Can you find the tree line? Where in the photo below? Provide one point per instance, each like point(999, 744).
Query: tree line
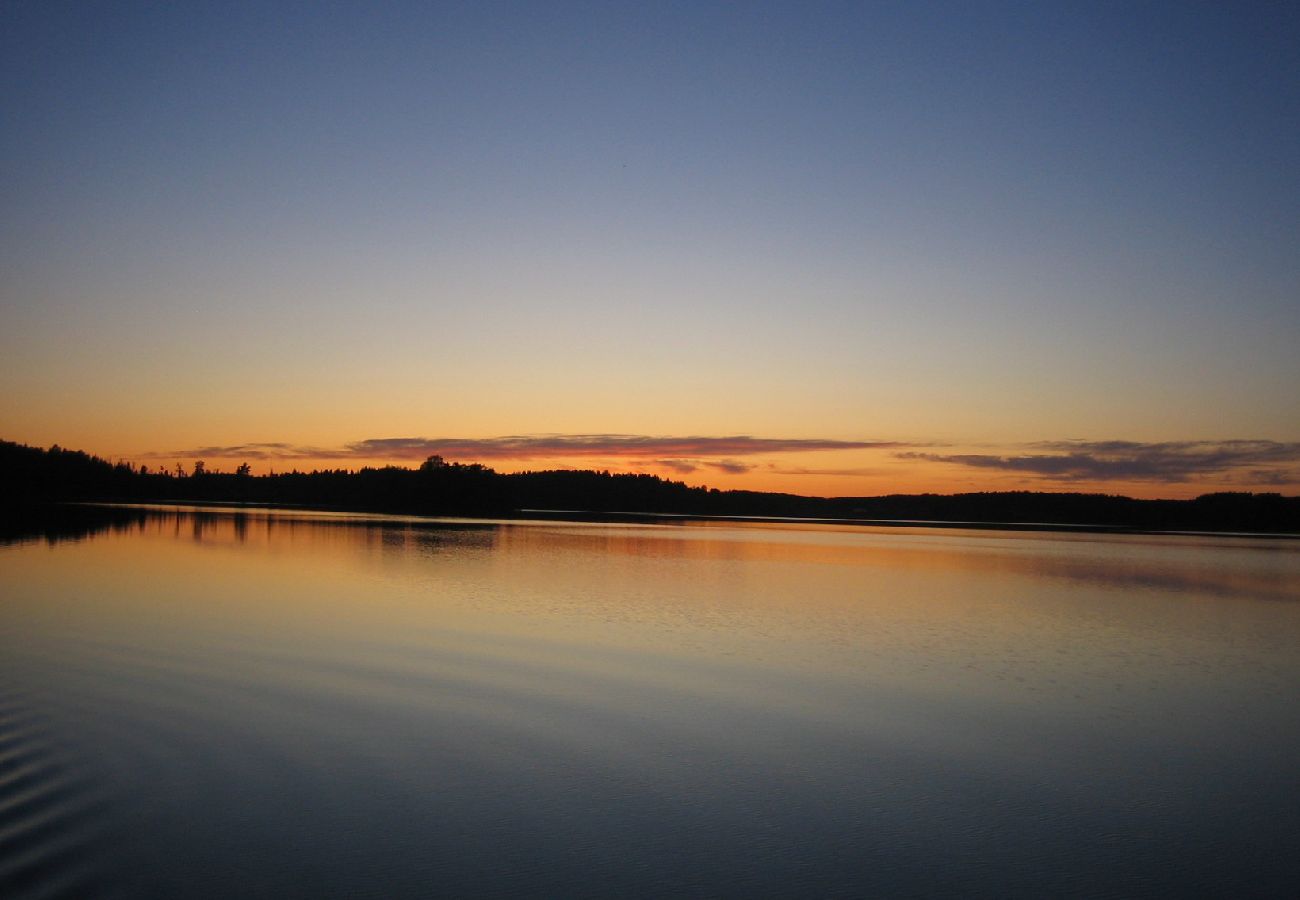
point(32, 477)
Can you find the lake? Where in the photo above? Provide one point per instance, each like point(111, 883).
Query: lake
point(200, 703)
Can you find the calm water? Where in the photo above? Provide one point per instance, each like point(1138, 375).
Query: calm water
point(288, 704)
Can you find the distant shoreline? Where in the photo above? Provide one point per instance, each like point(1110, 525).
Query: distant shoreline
point(578, 516)
point(926, 523)
point(31, 476)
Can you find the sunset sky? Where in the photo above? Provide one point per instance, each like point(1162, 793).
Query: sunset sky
point(826, 248)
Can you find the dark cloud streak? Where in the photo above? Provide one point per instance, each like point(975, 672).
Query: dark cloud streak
point(731, 466)
point(1171, 461)
point(680, 466)
point(675, 452)
point(260, 450)
point(620, 445)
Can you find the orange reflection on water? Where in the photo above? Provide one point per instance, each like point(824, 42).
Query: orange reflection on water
point(897, 602)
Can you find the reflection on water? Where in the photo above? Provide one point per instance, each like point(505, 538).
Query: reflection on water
point(216, 703)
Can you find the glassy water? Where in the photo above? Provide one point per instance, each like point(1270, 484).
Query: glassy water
point(218, 704)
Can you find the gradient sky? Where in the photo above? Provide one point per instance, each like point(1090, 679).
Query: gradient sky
point(818, 247)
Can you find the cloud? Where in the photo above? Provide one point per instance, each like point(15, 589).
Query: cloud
point(731, 466)
point(264, 450)
point(673, 452)
point(621, 445)
point(687, 466)
point(1171, 461)
point(1274, 477)
point(783, 470)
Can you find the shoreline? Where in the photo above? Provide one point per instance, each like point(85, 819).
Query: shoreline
point(578, 516)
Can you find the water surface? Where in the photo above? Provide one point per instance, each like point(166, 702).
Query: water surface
point(201, 703)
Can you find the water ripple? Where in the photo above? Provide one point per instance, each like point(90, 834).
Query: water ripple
point(51, 812)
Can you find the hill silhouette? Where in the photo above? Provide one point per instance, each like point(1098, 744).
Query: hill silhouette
point(32, 478)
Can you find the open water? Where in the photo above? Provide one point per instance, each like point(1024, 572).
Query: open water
point(284, 704)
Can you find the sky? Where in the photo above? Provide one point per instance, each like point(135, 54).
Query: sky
point(825, 248)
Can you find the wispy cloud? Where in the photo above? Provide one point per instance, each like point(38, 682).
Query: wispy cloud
point(680, 466)
point(800, 470)
point(535, 446)
point(1171, 461)
point(676, 452)
point(257, 450)
point(731, 466)
point(687, 466)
